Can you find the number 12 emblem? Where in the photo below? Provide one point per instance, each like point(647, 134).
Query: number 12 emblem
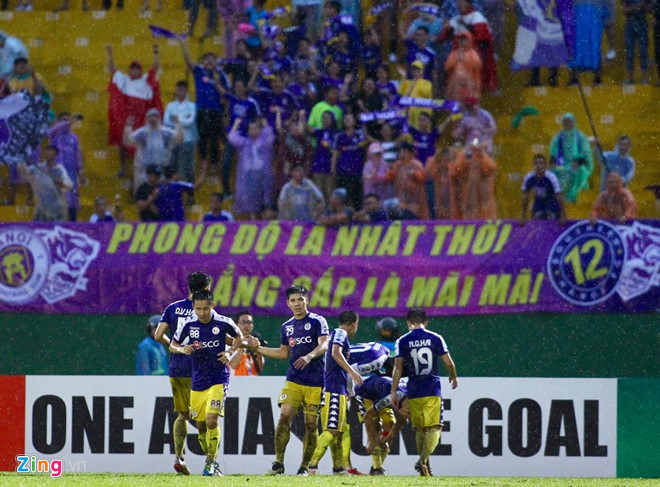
point(585, 263)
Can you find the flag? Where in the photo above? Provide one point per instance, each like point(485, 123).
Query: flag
point(130, 98)
point(23, 125)
point(162, 32)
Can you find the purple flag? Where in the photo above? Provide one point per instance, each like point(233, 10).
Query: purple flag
point(162, 32)
point(545, 34)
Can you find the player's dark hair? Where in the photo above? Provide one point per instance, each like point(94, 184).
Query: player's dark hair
point(52, 147)
point(424, 28)
point(372, 195)
point(182, 83)
point(348, 317)
point(417, 316)
point(198, 280)
point(538, 156)
point(202, 295)
point(334, 4)
point(209, 54)
point(296, 289)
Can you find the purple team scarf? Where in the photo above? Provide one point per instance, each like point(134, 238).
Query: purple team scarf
point(424, 8)
point(379, 9)
point(386, 115)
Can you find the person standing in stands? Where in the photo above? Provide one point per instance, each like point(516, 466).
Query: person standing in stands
point(151, 356)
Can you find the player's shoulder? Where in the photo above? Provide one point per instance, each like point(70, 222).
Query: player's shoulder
point(289, 322)
point(528, 176)
point(181, 303)
point(317, 317)
point(434, 334)
point(339, 334)
point(222, 318)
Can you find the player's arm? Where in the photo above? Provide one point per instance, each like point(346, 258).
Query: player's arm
point(234, 343)
point(159, 334)
point(338, 356)
point(176, 348)
point(451, 370)
point(397, 372)
point(320, 349)
point(387, 437)
point(281, 353)
point(525, 205)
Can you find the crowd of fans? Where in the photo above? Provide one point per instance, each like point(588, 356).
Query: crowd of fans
point(313, 124)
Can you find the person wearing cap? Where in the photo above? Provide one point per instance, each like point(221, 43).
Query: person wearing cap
point(476, 123)
point(11, 48)
point(151, 356)
point(374, 173)
point(132, 94)
point(146, 194)
point(154, 144)
point(417, 87)
point(409, 178)
point(338, 213)
point(473, 174)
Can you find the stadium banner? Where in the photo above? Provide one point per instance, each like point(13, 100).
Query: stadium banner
point(541, 38)
point(449, 268)
point(492, 427)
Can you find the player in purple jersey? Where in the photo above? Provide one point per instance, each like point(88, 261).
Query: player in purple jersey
point(204, 336)
point(367, 358)
point(180, 369)
point(335, 386)
point(303, 340)
point(381, 421)
point(416, 356)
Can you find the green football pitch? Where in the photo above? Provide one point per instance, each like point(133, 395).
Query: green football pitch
point(149, 480)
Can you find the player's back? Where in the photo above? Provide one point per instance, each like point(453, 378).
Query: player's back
point(420, 350)
point(175, 315)
point(370, 356)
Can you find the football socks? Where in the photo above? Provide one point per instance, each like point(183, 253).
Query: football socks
point(282, 434)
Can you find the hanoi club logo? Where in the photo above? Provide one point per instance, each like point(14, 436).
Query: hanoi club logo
point(24, 263)
point(48, 262)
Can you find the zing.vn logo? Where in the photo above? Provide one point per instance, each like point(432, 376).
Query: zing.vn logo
point(32, 465)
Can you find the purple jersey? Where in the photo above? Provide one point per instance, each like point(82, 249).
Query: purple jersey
point(175, 316)
point(351, 153)
point(420, 350)
point(336, 378)
point(426, 55)
point(369, 357)
point(246, 109)
point(321, 164)
point(377, 389)
point(208, 340)
point(269, 99)
point(424, 143)
point(302, 336)
point(371, 58)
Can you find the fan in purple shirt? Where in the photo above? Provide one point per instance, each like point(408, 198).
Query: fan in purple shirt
point(348, 160)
